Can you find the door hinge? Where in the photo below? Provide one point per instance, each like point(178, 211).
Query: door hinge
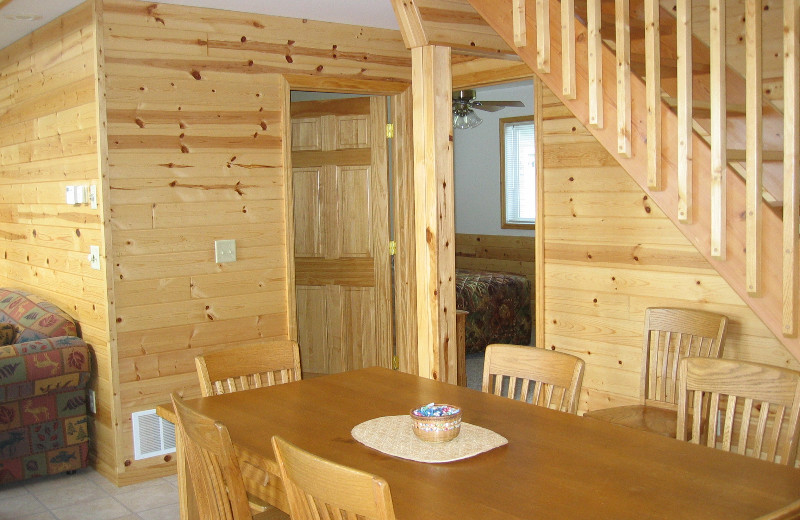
point(392, 247)
point(389, 130)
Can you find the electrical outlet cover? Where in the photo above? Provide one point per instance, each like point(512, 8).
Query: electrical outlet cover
point(224, 251)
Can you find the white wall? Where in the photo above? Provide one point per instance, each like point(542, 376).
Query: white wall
point(477, 163)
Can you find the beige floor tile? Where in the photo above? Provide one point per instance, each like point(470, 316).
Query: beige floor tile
point(170, 512)
point(47, 515)
point(143, 499)
point(18, 506)
point(12, 490)
point(74, 492)
point(105, 508)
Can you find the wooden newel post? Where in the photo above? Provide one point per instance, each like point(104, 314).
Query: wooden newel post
point(434, 212)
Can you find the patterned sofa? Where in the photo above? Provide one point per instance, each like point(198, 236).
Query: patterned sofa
point(499, 306)
point(44, 370)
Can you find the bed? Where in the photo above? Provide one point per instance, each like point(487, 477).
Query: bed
point(499, 306)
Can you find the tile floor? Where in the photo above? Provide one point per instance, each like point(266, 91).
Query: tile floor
point(87, 495)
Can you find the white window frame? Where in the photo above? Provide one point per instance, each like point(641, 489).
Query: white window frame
point(510, 183)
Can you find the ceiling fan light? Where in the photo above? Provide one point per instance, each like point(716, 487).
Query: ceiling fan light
point(464, 121)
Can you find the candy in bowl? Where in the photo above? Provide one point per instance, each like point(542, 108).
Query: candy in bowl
point(436, 422)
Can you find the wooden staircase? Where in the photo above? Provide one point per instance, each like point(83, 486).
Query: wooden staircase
point(718, 158)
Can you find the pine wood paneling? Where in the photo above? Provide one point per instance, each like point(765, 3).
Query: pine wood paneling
point(48, 140)
point(609, 253)
point(195, 106)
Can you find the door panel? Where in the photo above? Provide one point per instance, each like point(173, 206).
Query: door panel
point(306, 134)
point(311, 302)
point(353, 132)
point(341, 234)
point(355, 238)
point(308, 237)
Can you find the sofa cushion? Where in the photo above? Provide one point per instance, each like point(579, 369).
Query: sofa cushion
point(33, 317)
point(7, 334)
point(43, 366)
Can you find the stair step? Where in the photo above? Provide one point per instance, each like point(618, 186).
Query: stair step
point(767, 155)
point(702, 109)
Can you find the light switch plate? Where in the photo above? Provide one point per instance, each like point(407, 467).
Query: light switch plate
point(70, 195)
point(93, 196)
point(225, 251)
point(94, 257)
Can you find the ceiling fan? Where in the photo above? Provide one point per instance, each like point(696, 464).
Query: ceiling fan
point(464, 105)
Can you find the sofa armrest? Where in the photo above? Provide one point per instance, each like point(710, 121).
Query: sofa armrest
point(43, 366)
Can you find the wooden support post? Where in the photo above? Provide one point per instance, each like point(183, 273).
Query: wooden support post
point(623, 26)
point(595, 51)
point(538, 256)
point(410, 21)
point(791, 164)
point(652, 42)
point(434, 212)
point(520, 32)
point(568, 48)
point(684, 34)
point(719, 129)
point(543, 35)
point(403, 212)
point(754, 146)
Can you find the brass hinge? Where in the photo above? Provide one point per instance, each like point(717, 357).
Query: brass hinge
point(389, 130)
point(392, 247)
point(395, 362)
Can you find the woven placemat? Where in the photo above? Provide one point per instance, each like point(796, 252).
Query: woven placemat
point(392, 435)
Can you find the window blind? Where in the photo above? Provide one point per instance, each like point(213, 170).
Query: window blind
point(520, 173)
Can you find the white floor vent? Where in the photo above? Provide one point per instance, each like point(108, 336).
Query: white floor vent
point(152, 435)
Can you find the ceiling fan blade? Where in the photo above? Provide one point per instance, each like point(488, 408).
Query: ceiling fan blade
point(490, 108)
point(494, 106)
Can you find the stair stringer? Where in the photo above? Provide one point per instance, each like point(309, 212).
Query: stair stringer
point(768, 305)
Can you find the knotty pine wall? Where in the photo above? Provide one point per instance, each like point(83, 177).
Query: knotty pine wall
point(48, 140)
point(609, 253)
point(196, 105)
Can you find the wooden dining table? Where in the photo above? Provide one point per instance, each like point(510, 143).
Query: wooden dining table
point(555, 465)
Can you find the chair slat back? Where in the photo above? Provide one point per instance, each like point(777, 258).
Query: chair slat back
point(212, 464)
point(254, 365)
point(747, 408)
point(534, 375)
point(669, 335)
point(319, 489)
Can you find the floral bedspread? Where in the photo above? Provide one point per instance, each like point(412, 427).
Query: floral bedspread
point(499, 306)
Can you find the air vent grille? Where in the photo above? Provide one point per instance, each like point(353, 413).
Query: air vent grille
point(152, 435)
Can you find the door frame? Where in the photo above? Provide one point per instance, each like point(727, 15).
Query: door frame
point(401, 205)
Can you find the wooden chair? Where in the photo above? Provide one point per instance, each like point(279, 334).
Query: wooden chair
point(319, 489)
point(748, 408)
point(213, 468)
point(258, 364)
point(509, 370)
point(264, 363)
point(669, 335)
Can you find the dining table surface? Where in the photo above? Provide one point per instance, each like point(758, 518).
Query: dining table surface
point(555, 465)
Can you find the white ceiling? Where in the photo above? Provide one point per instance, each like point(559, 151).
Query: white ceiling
point(369, 13)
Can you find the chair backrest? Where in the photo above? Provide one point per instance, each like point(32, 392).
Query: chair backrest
point(319, 489)
point(535, 375)
point(254, 365)
point(212, 464)
point(669, 335)
point(748, 408)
